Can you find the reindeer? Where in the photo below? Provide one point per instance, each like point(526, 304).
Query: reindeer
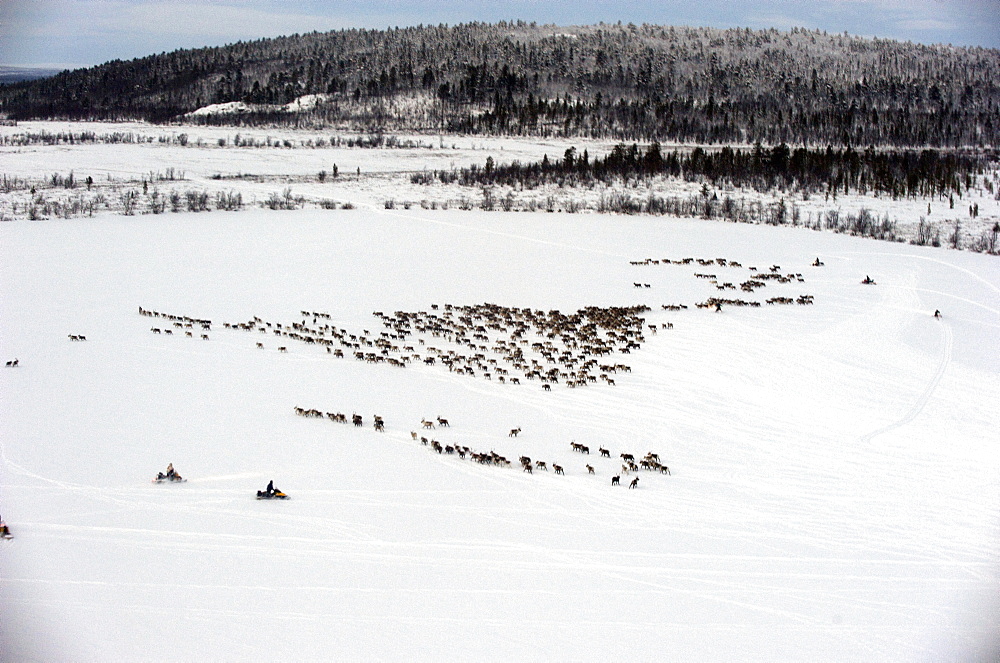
point(605, 453)
point(12, 363)
point(558, 469)
point(614, 480)
point(635, 482)
point(443, 422)
point(427, 424)
point(514, 432)
point(540, 464)
point(590, 469)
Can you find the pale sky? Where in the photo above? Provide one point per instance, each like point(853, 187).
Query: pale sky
point(78, 33)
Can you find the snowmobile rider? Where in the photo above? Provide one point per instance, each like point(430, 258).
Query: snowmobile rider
point(170, 471)
point(270, 487)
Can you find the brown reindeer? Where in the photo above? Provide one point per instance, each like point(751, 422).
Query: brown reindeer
point(614, 480)
point(514, 432)
point(635, 482)
point(558, 469)
point(590, 469)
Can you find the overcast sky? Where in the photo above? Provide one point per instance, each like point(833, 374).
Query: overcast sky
point(77, 33)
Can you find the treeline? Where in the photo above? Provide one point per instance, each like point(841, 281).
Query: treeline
point(628, 82)
point(896, 173)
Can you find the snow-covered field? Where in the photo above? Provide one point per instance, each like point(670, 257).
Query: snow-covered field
point(149, 163)
point(834, 492)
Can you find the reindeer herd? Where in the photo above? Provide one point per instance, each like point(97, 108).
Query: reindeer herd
point(512, 346)
point(758, 280)
point(500, 344)
point(650, 462)
point(180, 323)
point(495, 343)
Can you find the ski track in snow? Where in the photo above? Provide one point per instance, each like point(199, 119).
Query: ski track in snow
point(918, 405)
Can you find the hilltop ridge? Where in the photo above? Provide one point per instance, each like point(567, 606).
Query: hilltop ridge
point(625, 82)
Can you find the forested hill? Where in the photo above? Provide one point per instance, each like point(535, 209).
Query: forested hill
point(616, 81)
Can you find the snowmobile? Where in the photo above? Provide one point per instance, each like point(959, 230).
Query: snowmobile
point(168, 478)
point(868, 281)
point(274, 495)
